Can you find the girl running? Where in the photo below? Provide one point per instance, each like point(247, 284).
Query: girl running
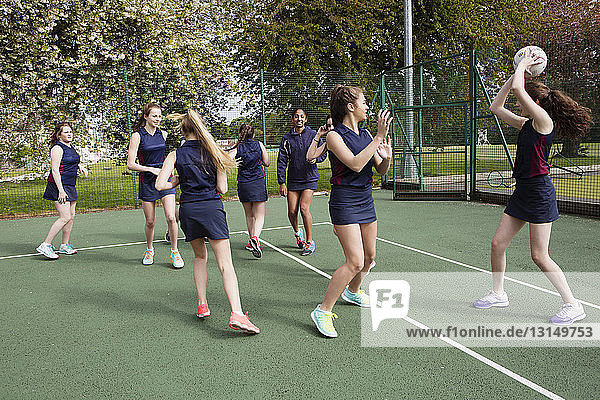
point(544, 112)
point(148, 143)
point(352, 152)
point(252, 188)
point(202, 173)
point(302, 178)
point(64, 163)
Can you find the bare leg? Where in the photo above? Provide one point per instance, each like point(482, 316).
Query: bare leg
point(293, 200)
point(506, 231)
point(169, 207)
point(351, 241)
point(540, 239)
point(66, 230)
point(305, 199)
point(200, 277)
point(64, 216)
point(249, 217)
point(369, 240)
point(149, 208)
point(258, 211)
point(222, 252)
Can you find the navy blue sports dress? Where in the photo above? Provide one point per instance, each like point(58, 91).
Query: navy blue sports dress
point(68, 175)
point(534, 198)
point(201, 210)
point(351, 200)
point(251, 174)
point(151, 153)
point(301, 174)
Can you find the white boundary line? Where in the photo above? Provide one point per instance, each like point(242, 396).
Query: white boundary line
point(587, 303)
point(155, 241)
point(464, 349)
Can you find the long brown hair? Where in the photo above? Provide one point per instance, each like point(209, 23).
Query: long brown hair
point(57, 131)
point(141, 121)
point(572, 120)
point(341, 96)
point(192, 124)
point(246, 131)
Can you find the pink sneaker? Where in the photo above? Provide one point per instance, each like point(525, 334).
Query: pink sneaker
point(242, 323)
point(203, 311)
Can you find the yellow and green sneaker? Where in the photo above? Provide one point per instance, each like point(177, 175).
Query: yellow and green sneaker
point(359, 298)
point(324, 321)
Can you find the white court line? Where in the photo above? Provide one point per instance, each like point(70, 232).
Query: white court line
point(587, 303)
point(464, 349)
point(155, 241)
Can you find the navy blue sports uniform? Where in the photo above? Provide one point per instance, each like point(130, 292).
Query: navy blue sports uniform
point(301, 174)
point(151, 153)
point(251, 174)
point(351, 200)
point(534, 198)
point(201, 210)
point(69, 164)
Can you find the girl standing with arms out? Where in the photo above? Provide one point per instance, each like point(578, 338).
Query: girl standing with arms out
point(148, 143)
point(64, 163)
point(202, 173)
point(352, 152)
point(252, 187)
point(544, 112)
point(302, 178)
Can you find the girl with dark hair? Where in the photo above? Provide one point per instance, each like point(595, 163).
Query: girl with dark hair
point(252, 157)
point(202, 173)
point(297, 178)
point(148, 143)
point(64, 163)
point(544, 112)
point(353, 153)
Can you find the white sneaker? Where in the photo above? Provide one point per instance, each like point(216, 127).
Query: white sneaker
point(67, 249)
point(148, 257)
point(47, 250)
point(176, 259)
point(568, 314)
point(492, 299)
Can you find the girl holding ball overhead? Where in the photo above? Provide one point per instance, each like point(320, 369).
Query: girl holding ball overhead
point(202, 174)
point(544, 113)
point(353, 153)
point(148, 143)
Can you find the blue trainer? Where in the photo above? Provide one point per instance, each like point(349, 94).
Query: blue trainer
point(309, 248)
point(324, 321)
point(359, 298)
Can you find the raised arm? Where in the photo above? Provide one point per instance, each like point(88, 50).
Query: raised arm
point(315, 150)
point(162, 181)
point(358, 162)
point(55, 159)
point(134, 144)
point(497, 107)
point(541, 120)
point(383, 155)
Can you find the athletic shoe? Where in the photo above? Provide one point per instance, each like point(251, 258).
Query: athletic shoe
point(300, 239)
point(248, 246)
point(67, 249)
point(324, 321)
point(309, 248)
point(255, 244)
point(492, 299)
point(148, 257)
point(568, 314)
point(359, 298)
point(371, 266)
point(176, 259)
point(167, 236)
point(203, 311)
point(47, 250)
point(242, 323)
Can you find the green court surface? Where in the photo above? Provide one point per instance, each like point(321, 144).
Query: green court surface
point(99, 324)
